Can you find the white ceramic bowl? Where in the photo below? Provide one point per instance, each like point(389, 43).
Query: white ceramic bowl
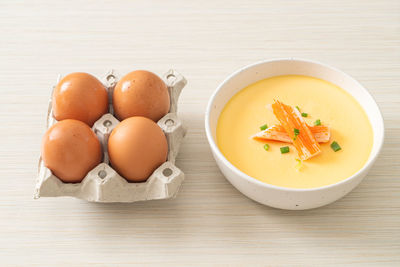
point(281, 197)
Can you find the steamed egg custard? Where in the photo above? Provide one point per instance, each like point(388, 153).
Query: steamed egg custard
point(295, 131)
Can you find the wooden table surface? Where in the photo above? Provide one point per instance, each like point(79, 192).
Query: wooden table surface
point(209, 222)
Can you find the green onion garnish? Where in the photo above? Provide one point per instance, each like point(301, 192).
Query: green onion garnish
point(317, 122)
point(298, 108)
point(284, 149)
point(266, 147)
point(262, 128)
point(298, 165)
point(335, 146)
point(296, 133)
point(304, 114)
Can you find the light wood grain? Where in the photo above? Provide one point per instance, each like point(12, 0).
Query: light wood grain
point(209, 222)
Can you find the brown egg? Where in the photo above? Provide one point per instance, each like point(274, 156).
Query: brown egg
point(80, 96)
point(141, 93)
point(70, 149)
point(137, 146)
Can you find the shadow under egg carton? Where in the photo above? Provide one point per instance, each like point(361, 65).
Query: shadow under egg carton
point(103, 183)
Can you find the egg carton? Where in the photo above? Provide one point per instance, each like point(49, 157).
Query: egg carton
point(103, 183)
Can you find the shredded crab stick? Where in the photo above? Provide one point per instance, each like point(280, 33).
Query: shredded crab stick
point(292, 121)
point(278, 133)
point(321, 133)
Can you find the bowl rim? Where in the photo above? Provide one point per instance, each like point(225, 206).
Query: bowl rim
point(253, 180)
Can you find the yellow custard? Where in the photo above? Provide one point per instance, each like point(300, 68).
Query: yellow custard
point(247, 111)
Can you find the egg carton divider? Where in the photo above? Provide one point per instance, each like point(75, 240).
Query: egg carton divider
point(103, 183)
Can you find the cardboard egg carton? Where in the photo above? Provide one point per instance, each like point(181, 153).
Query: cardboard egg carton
point(103, 183)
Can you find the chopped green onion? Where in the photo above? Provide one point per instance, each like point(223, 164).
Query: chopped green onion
point(298, 108)
point(304, 114)
point(317, 122)
point(284, 149)
point(262, 128)
point(296, 133)
point(266, 147)
point(335, 146)
point(298, 165)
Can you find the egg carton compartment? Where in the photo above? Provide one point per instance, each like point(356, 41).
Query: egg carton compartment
point(103, 183)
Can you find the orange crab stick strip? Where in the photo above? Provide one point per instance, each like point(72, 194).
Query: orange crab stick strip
point(297, 129)
point(274, 133)
point(277, 133)
point(321, 133)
